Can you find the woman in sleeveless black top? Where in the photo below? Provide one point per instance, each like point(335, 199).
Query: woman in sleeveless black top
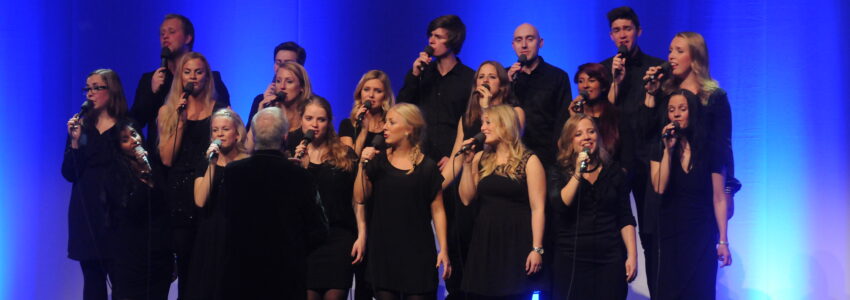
point(688, 175)
point(184, 132)
point(505, 253)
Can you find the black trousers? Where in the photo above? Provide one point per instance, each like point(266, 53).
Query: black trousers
point(183, 239)
point(95, 273)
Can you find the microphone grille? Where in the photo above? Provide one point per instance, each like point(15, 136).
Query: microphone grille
point(367, 104)
point(310, 135)
point(429, 50)
point(217, 142)
point(523, 59)
point(166, 52)
point(378, 141)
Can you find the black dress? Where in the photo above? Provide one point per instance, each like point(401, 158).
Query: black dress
point(688, 231)
point(596, 246)
point(347, 129)
point(329, 266)
point(401, 252)
point(502, 238)
point(208, 254)
point(139, 237)
point(181, 192)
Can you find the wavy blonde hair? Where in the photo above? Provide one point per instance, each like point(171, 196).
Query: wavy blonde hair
point(231, 115)
point(167, 121)
point(698, 50)
point(413, 117)
point(337, 153)
point(504, 119)
point(386, 103)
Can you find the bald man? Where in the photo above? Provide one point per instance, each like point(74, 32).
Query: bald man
point(543, 91)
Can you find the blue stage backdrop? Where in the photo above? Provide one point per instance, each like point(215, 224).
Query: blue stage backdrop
point(783, 63)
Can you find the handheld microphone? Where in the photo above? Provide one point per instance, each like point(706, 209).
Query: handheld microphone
point(583, 165)
point(144, 158)
point(430, 51)
point(85, 107)
point(585, 98)
point(523, 60)
point(213, 154)
point(665, 69)
point(484, 85)
point(279, 97)
point(377, 143)
point(622, 51)
point(164, 55)
point(308, 138)
point(672, 132)
point(187, 90)
point(368, 106)
point(478, 139)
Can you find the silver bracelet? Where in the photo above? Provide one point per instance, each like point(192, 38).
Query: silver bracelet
point(723, 243)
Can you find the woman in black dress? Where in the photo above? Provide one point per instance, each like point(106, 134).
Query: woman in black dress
point(184, 134)
point(292, 80)
point(592, 222)
point(208, 254)
point(594, 81)
point(506, 251)
point(688, 175)
point(375, 88)
point(89, 156)
point(403, 187)
point(139, 236)
point(333, 166)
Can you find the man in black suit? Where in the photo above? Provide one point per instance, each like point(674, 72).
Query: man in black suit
point(275, 218)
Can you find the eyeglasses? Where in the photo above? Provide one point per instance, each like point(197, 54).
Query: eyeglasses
point(94, 88)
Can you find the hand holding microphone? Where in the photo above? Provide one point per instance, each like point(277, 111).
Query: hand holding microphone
point(367, 105)
point(213, 150)
point(619, 63)
point(142, 157)
point(308, 138)
point(422, 61)
point(378, 144)
point(472, 145)
point(583, 159)
point(278, 97)
point(654, 76)
point(187, 90)
point(670, 134)
point(513, 72)
point(158, 77)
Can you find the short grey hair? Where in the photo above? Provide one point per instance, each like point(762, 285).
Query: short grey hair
point(269, 126)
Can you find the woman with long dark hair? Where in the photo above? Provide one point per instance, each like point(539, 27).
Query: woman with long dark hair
point(139, 236)
point(594, 82)
point(687, 174)
point(89, 156)
point(593, 229)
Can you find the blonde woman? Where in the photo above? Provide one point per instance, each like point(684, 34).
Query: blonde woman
point(184, 133)
point(403, 187)
point(292, 80)
point(374, 88)
point(208, 253)
point(506, 250)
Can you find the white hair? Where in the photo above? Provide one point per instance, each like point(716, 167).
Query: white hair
point(269, 126)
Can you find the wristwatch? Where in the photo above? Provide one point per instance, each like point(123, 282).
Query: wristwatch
point(539, 250)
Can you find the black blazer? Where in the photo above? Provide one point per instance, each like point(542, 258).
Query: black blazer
point(275, 218)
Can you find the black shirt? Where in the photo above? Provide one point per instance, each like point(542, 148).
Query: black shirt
point(146, 106)
point(635, 147)
point(603, 210)
point(544, 95)
point(442, 100)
